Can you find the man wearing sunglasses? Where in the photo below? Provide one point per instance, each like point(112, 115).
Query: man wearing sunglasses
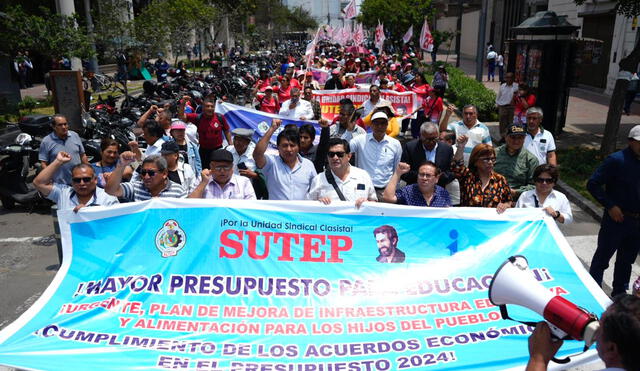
point(83, 192)
point(341, 181)
point(154, 180)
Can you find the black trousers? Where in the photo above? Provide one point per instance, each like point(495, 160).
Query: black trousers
point(623, 239)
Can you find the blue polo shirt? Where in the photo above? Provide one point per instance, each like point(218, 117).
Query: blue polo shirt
point(52, 144)
point(285, 183)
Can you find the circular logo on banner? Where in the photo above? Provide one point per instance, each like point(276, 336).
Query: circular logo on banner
point(170, 239)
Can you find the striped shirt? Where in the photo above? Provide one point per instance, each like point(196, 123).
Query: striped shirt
point(479, 133)
point(136, 191)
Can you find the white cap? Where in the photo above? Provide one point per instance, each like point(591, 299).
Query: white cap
point(379, 115)
point(634, 133)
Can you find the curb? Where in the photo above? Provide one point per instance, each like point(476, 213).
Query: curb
point(586, 205)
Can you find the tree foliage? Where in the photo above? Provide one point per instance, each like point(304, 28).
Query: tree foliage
point(397, 15)
point(627, 8)
point(47, 33)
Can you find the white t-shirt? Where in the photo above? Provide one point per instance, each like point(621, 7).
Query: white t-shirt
point(540, 144)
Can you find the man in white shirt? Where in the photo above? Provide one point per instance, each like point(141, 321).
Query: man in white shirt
point(377, 153)
point(354, 184)
point(374, 99)
point(152, 133)
point(242, 151)
point(538, 141)
point(296, 108)
point(504, 102)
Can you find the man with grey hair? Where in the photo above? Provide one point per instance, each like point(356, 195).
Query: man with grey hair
point(538, 141)
point(155, 180)
point(62, 140)
point(468, 127)
point(296, 108)
point(427, 148)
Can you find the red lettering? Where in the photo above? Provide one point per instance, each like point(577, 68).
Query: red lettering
point(253, 236)
point(310, 247)
point(235, 245)
point(286, 244)
point(336, 247)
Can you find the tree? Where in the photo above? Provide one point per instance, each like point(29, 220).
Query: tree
point(171, 23)
point(113, 31)
point(397, 16)
point(47, 33)
point(628, 65)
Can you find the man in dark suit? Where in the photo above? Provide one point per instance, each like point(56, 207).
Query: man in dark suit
point(387, 241)
point(427, 147)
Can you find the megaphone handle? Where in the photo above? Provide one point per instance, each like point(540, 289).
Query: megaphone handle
point(556, 333)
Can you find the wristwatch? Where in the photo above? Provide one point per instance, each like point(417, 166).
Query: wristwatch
point(557, 215)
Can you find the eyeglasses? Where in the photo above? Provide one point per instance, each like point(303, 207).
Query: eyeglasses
point(425, 175)
point(545, 180)
point(82, 180)
point(62, 124)
point(488, 159)
point(340, 154)
point(222, 168)
point(435, 139)
point(144, 172)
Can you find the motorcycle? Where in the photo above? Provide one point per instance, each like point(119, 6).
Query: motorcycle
point(17, 185)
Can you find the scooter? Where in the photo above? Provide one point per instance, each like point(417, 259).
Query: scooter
point(17, 185)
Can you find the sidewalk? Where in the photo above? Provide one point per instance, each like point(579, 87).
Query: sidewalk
point(586, 113)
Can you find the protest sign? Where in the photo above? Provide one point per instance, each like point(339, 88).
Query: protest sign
point(241, 285)
point(405, 103)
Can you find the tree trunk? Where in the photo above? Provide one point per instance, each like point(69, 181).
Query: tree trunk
point(628, 64)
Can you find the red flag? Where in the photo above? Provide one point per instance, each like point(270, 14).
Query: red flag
point(426, 40)
point(408, 35)
point(350, 10)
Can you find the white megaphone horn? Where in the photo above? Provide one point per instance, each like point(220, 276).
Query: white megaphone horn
point(514, 283)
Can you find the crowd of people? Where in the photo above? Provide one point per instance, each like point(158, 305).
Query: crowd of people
point(366, 154)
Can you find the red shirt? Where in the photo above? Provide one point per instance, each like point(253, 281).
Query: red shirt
point(261, 84)
point(270, 106)
point(433, 114)
point(209, 129)
point(531, 101)
point(283, 94)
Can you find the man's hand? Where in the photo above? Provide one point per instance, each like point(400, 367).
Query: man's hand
point(63, 157)
point(325, 200)
point(153, 108)
point(451, 108)
point(550, 211)
point(402, 168)
point(616, 214)
point(135, 147)
point(360, 201)
point(206, 176)
point(323, 123)
point(248, 173)
point(541, 347)
point(275, 124)
point(302, 118)
point(461, 141)
point(126, 158)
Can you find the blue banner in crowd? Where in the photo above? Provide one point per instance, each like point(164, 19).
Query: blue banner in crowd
point(239, 285)
point(243, 117)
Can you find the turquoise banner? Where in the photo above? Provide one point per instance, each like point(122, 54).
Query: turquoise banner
point(233, 285)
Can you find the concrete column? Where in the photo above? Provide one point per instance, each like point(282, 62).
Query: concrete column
point(66, 7)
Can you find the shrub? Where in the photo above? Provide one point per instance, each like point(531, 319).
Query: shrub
point(28, 103)
point(464, 90)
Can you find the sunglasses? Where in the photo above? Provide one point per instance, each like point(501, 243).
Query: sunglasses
point(144, 172)
point(545, 180)
point(82, 180)
point(339, 154)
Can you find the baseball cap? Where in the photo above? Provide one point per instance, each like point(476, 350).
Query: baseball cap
point(178, 125)
point(221, 155)
point(169, 148)
point(515, 129)
point(634, 133)
point(379, 115)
